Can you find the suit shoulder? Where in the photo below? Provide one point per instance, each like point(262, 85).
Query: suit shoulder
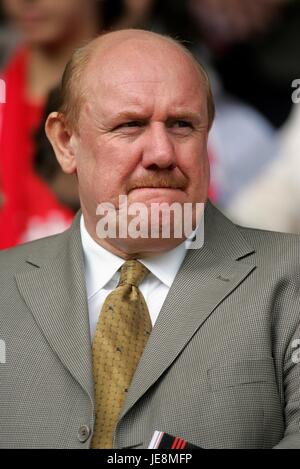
point(264, 241)
point(13, 259)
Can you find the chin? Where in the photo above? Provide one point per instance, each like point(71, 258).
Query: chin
point(43, 35)
point(150, 196)
point(145, 247)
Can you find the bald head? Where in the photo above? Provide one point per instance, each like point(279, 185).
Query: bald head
point(128, 50)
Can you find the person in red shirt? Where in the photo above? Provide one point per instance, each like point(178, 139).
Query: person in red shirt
point(51, 30)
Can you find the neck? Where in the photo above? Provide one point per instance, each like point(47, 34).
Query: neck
point(136, 249)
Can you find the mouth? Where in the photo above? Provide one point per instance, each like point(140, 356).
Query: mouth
point(156, 188)
point(33, 16)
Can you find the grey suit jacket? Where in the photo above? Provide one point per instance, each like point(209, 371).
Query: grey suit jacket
point(220, 368)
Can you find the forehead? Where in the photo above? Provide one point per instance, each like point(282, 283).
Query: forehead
point(141, 73)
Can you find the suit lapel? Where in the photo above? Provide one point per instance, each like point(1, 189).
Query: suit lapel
point(54, 291)
point(206, 278)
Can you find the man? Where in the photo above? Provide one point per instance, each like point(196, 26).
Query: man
point(200, 343)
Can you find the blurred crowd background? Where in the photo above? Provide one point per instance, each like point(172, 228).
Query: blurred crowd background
point(251, 50)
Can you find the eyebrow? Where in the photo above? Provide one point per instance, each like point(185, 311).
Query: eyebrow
point(129, 115)
point(184, 114)
point(179, 114)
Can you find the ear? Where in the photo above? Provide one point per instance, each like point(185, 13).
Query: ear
point(63, 141)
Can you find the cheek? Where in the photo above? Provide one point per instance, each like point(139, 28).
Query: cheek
point(64, 9)
point(111, 157)
point(101, 169)
point(195, 166)
point(85, 164)
point(193, 160)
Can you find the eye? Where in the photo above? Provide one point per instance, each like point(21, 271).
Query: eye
point(130, 125)
point(180, 127)
point(182, 124)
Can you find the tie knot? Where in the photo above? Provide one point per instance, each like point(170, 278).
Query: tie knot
point(132, 273)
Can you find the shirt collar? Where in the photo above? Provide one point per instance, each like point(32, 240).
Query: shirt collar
point(101, 265)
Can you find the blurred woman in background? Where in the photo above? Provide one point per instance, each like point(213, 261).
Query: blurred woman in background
point(50, 30)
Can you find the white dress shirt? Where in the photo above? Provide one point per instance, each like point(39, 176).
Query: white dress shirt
point(102, 276)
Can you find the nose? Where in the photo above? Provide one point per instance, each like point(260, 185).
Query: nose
point(159, 151)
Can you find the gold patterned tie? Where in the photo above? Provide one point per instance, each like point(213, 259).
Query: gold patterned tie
point(121, 334)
